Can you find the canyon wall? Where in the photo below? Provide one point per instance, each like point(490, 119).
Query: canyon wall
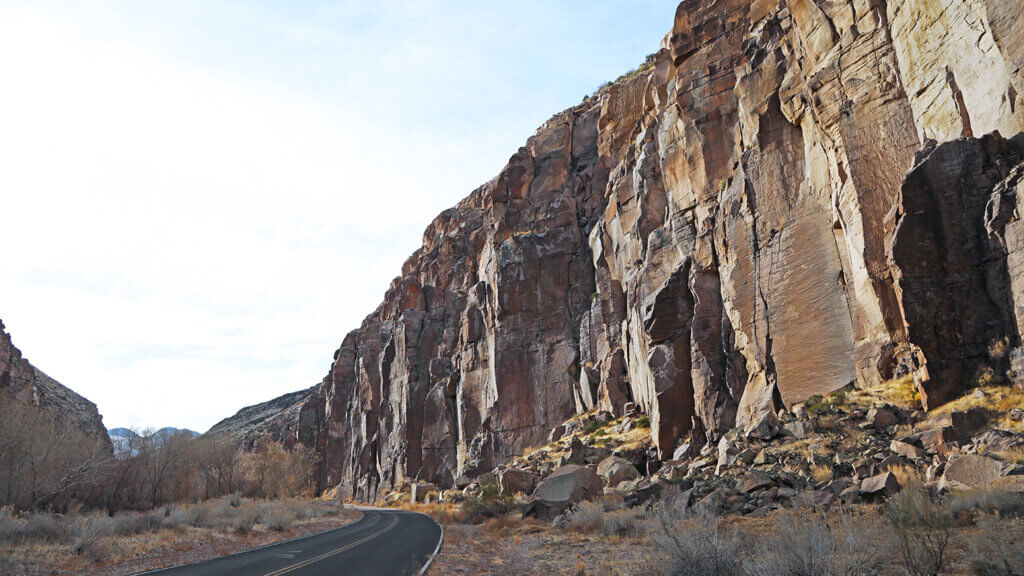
point(731, 230)
point(20, 381)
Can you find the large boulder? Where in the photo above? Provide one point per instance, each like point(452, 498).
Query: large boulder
point(884, 484)
point(419, 490)
point(563, 488)
point(971, 471)
point(515, 481)
point(615, 469)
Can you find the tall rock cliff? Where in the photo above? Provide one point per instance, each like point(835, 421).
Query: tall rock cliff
point(20, 381)
point(730, 230)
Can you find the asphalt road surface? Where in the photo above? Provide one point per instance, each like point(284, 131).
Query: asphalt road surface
point(381, 543)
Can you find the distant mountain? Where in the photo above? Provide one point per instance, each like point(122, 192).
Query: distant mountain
point(122, 438)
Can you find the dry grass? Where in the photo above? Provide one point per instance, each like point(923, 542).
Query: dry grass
point(135, 541)
point(898, 392)
point(998, 400)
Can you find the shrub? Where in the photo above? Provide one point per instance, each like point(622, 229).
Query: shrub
point(277, 518)
point(586, 517)
point(245, 518)
point(807, 545)
point(489, 502)
point(83, 533)
point(591, 517)
point(696, 546)
point(644, 421)
point(987, 500)
point(924, 530)
point(996, 548)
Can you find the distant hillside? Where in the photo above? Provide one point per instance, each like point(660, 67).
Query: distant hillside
point(275, 419)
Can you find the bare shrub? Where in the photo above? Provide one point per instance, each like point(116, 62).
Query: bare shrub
point(82, 533)
point(988, 501)
point(586, 517)
point(42, 527)
point(696, 546)
point(996, 548)
point(245, 517)
point(808, 545)
point(924, 528)
point(277, 518)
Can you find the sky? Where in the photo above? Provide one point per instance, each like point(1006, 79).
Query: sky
point(198, 200)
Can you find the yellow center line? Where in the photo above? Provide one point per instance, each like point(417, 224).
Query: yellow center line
point(294, 567)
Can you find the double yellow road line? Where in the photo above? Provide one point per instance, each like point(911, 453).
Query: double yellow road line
point(305, 563)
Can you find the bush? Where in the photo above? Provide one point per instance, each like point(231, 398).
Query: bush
point(489, 502)
point(245, 518)
point(924, 530)
point(696, 546)
point(807, 545)
point(987, 500)
point(277, 518)
point(593, 517)
point(996, 549)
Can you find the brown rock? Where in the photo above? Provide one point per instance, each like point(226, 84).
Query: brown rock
point(971, 471)
point(563, 488)
point(517, 481)
point(906, 449)
point(419, 490)
point(726, 233)
point(615, 470)
point(884, 484)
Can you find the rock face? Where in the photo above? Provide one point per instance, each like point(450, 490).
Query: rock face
point(277, 420)
point(23, 382)
point(712, 238)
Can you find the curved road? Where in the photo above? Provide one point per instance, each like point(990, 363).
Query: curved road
point(381, 543)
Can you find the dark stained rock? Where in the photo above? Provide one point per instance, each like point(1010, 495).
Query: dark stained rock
point(972, 471)
point(562, 489)
point(884, 484)
point(517, 481)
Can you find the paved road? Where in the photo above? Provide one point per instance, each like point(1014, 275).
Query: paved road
point(381, 543)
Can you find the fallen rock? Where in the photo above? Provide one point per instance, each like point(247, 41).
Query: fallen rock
point(576, 455)
point(906, 449)
point(419, 490)
point(884, 484)
point(764, 427)
point(755, 480)
point(615, 470)
point(563, 488)
point(514, 481)
point(797, 429)
point(881, 418)
point(971, 471)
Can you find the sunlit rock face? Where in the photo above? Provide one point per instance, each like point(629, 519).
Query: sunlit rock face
point(728, 231)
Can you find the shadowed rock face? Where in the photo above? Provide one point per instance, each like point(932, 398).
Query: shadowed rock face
point(275, 420)
point(727, 232)
point(25, 383)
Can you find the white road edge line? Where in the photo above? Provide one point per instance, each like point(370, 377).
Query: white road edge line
point(436, 550)
point(440, 540)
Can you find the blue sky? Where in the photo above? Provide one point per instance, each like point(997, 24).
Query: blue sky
point(199, 200)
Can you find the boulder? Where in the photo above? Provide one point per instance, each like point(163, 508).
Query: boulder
point(615, 469)
point(419, 490)
point(884, 484)
point(765, 426)
point(906, 449)
point(971, 471)
point(881, 418)
point(563, 488)
point(755, 480)
point(576, 455)
point(514, 481)
point(463, 481)
point(797, 429)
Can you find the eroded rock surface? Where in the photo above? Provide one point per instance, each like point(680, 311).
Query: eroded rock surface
point(22, 382)
point(715, 237)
